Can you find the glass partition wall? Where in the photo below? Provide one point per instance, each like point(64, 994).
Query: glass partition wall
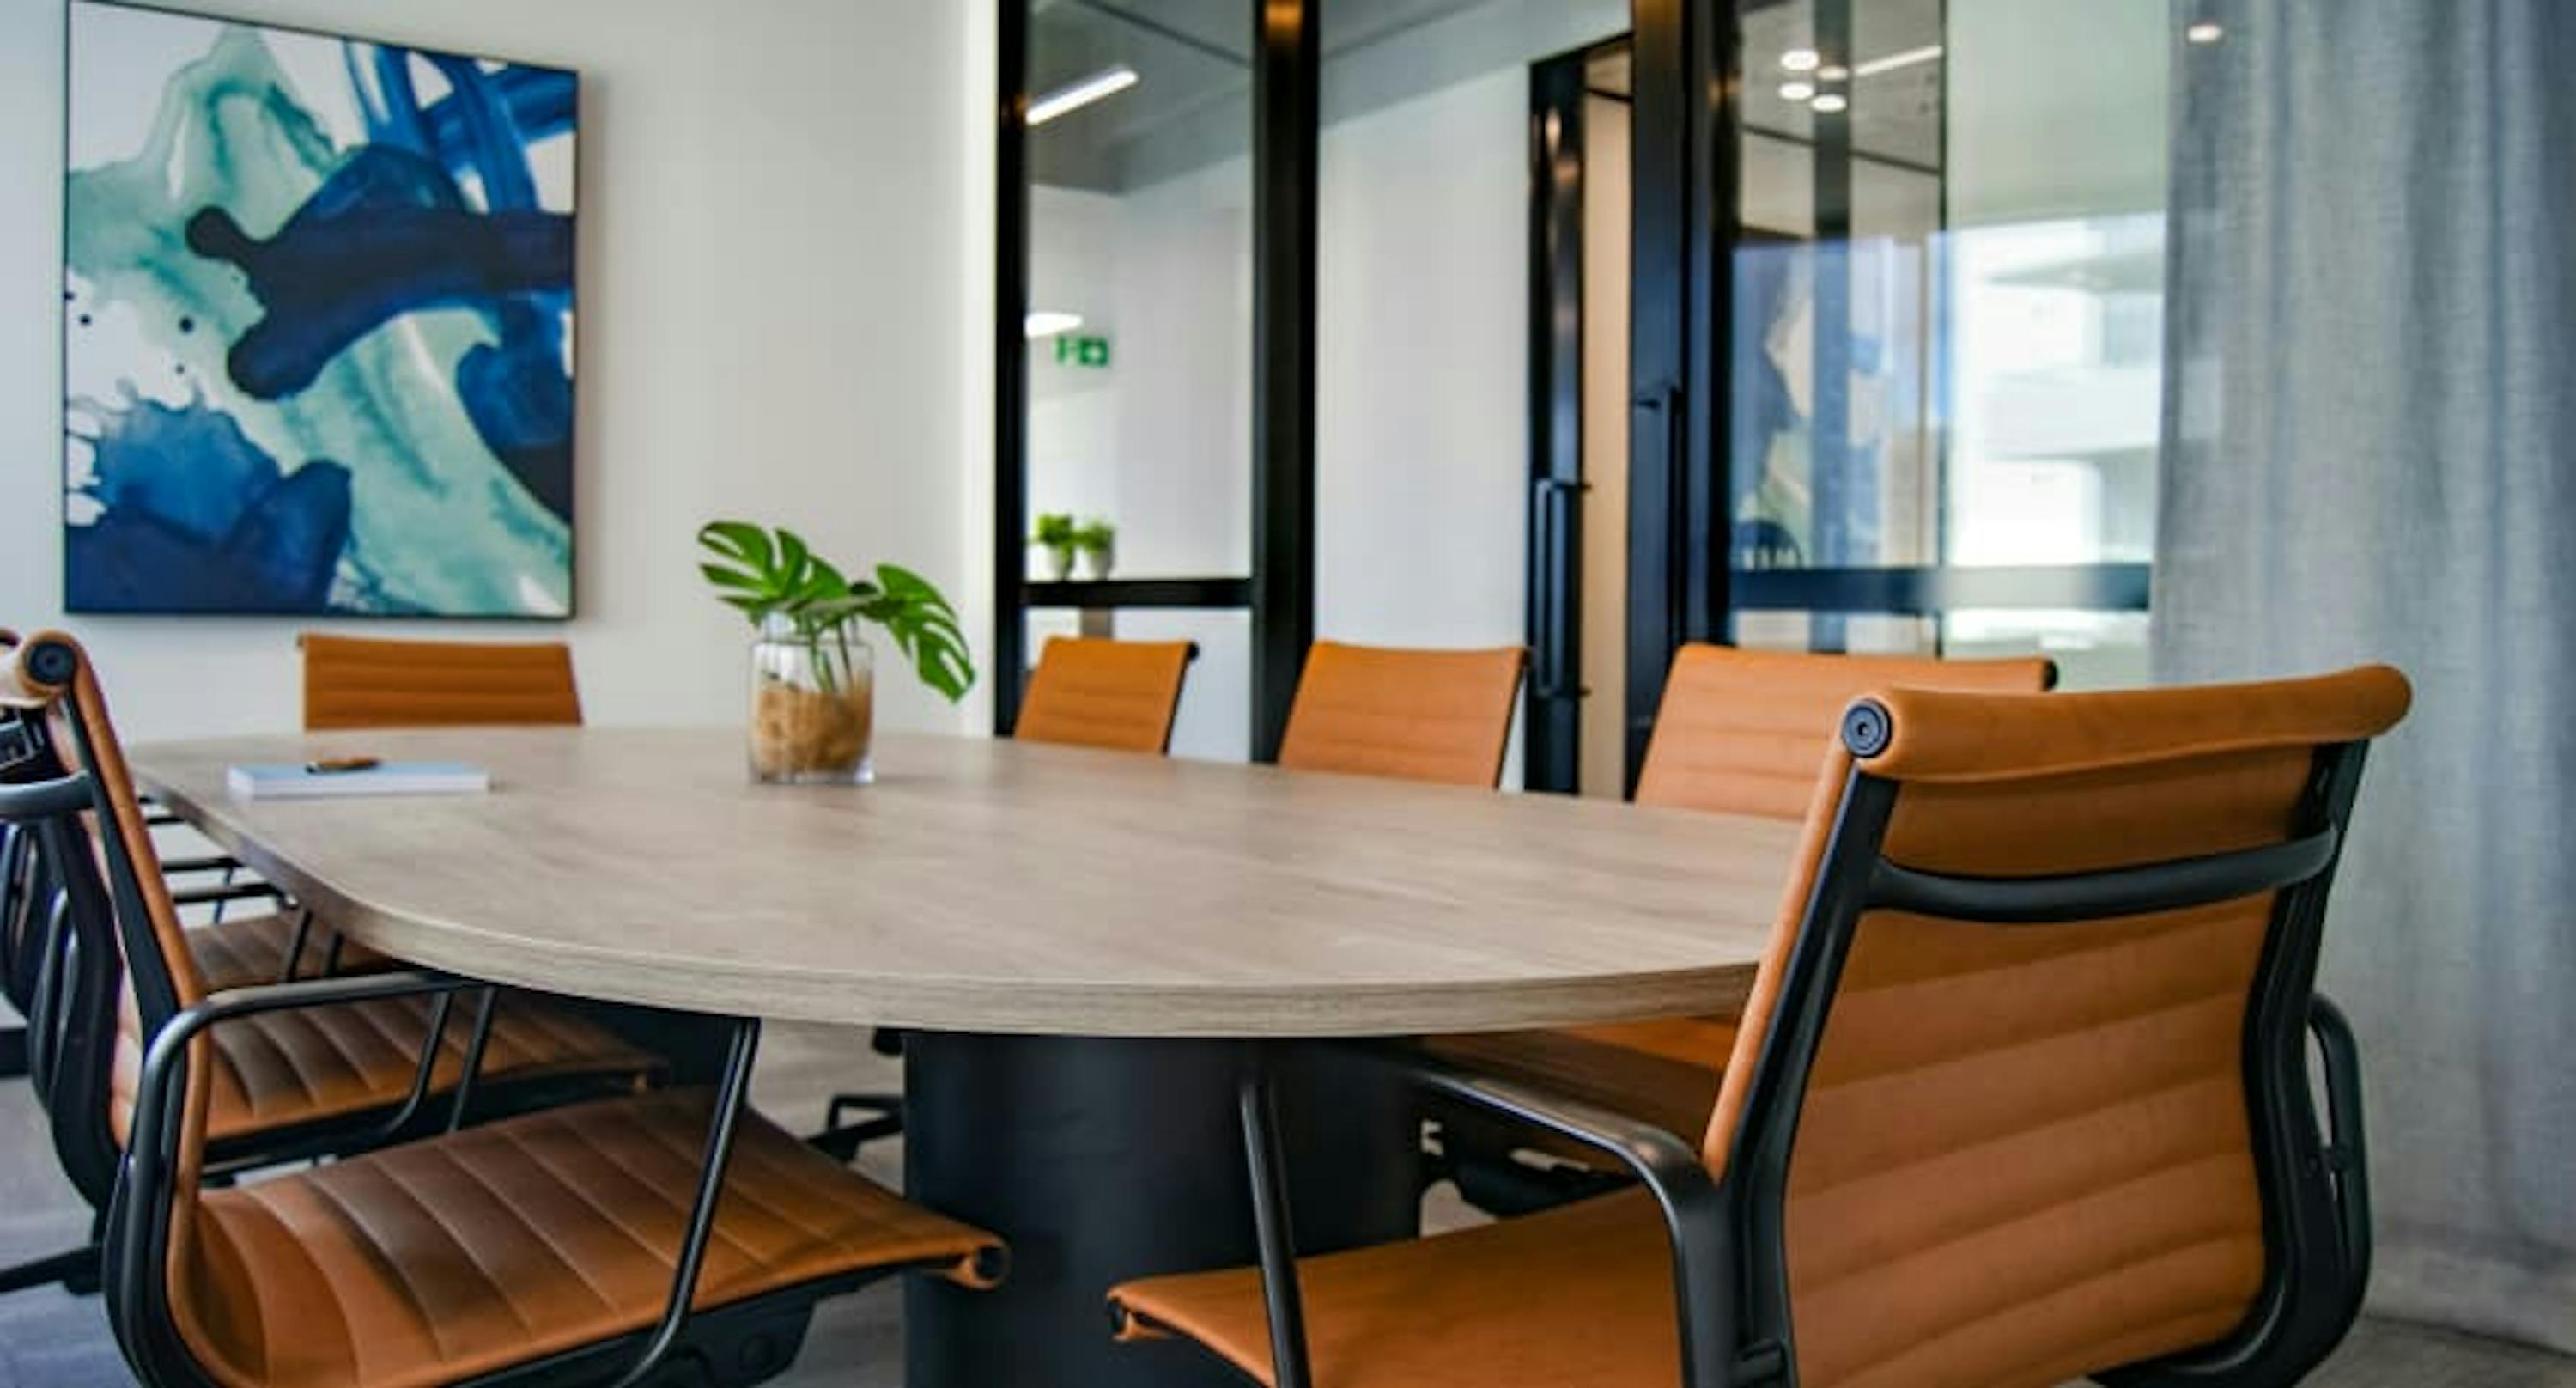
point(1597, 325)
point(1944, 377)
point(1265, 266)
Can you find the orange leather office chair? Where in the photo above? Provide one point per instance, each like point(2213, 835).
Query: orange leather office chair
point(1738, 732)
point(1441, 716)
point(2022, 1094)
point(362, 682)
point(1090, 692)
point(571, 1245)
point(277, 1087)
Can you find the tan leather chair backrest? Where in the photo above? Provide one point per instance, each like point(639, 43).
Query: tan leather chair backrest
point(2024, 1154)
point(85, 735)
point(1739, 731)
point(75, 711)
point(1414, 715)
point(362, 682)
point(1121, 695)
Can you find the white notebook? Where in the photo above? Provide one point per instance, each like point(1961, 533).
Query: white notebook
point(390, 778)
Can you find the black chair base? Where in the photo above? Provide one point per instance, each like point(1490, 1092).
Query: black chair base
point(74, 1270)
point(13, 1053)
point(841, 1138)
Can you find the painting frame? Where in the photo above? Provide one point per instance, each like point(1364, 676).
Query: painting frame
point(536, 470)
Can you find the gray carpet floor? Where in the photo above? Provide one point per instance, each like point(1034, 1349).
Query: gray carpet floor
point(51, 1340)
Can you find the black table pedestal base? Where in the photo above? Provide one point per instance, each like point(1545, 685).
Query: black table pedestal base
point(1104, 1160)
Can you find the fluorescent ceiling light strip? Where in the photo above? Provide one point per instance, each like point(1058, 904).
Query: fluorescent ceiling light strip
point(1893, 61)
point(1073, 96)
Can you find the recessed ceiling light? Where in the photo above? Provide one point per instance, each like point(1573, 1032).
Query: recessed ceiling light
point(1073, 96)
point(1927, 53)
point(1797, 91)
point(2204, 32)
point(1833, 72)
point(1832, 102)
point(1801, 59)
point(1048, 322)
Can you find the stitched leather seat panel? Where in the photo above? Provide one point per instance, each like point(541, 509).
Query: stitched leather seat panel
point(2024, 1145)
point(361, 682)
point(243, 951)
point(1098, 693)
point(438, 1260)
point(1438, 716)
point(284, 1069)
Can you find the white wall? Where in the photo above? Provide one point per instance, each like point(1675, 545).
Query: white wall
point(1422, 366)
point(784, 244)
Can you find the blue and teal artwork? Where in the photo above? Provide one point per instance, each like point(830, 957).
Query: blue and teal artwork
point(317, 324)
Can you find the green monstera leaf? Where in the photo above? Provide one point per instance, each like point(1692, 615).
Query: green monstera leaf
point(775, 573)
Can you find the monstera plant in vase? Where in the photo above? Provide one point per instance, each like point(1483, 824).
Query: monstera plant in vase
point(813, 674)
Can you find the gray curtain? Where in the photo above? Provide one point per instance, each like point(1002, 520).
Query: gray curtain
point(2371, 455)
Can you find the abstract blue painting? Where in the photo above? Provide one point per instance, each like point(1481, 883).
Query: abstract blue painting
point(317, 324)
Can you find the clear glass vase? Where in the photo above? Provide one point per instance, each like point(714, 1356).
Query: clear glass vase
point(813, 705)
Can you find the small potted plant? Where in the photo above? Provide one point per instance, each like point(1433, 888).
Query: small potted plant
point(813, 676)
point(1097, 542)
point(1056, 534)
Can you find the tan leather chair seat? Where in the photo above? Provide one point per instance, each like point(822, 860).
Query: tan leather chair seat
point(1578, 1296)
point(284, 1069)
point(505, 1243)
point(244, 951)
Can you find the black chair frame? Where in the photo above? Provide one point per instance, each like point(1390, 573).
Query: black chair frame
point(1729, 1244)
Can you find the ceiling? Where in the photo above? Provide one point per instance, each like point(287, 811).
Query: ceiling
point(1194, 57)
point(1895, 114)
point(1193, 104)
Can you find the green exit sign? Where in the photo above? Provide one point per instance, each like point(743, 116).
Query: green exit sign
point(1089, 353)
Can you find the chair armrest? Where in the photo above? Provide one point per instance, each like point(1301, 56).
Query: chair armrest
point(1694, 1205)
point(1655, 1156)
point(46, 799)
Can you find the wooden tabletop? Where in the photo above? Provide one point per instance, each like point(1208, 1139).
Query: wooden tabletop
point(995, 886)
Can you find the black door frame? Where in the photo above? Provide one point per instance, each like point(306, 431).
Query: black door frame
point(1552, 711)
point(1287, 113)
point(1682, 201)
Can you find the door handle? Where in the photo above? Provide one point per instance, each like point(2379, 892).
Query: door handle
point(1559, 502)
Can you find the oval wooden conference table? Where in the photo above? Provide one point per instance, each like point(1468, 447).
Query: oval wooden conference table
point(1083, 947)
